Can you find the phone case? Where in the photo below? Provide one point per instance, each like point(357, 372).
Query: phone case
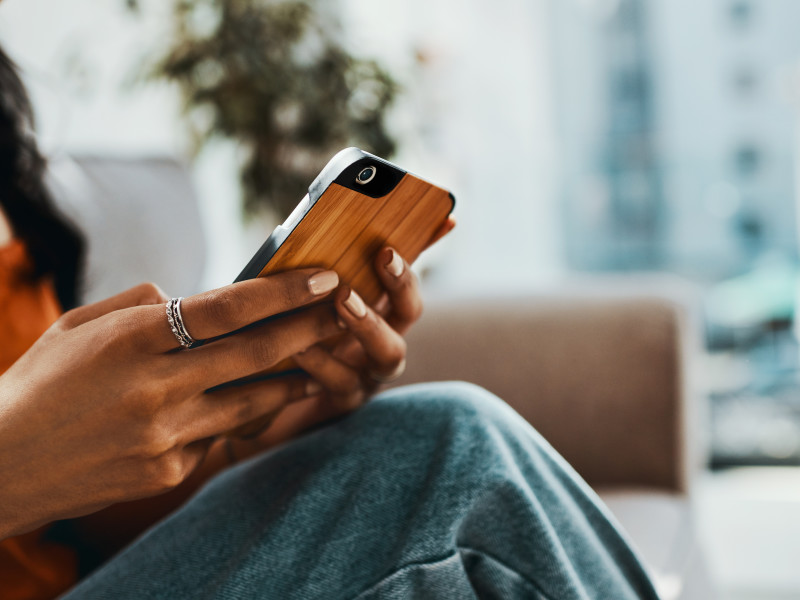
point(342, 224)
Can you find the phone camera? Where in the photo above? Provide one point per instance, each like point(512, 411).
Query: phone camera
point(366, 175)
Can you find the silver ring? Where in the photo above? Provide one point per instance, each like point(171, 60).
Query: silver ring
point(390, 377)
point(175, 320)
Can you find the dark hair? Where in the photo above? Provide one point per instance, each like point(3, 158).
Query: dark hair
point(55, 246)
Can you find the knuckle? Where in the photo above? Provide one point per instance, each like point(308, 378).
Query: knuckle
point(64, 323)
point(155, 441)
point(264, 351)
point(349, 402)
point(346, 384)
point(69, 319)
point(310, 359)
point(244, 410)
point(292, 294)
point(150, 293)
point(165, 472)
point(399, 352)
point(372, 324)
point(222, 307)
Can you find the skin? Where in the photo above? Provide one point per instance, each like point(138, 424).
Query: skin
point(104, 409)
point(5, 230)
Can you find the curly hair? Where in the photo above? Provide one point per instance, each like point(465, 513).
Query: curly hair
point(55, 246)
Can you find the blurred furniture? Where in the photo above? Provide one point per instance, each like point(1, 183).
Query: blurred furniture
point(140, 218)
point(600, 378)
point(603, 381)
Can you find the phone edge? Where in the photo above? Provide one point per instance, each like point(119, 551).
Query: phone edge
point(328, 175)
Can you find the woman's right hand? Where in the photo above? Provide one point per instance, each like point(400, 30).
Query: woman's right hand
point(102, 409)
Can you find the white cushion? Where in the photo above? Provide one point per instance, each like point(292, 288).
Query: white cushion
point(660, 527)
point(140, 219)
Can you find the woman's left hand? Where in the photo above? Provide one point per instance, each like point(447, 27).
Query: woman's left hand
point(347, 373)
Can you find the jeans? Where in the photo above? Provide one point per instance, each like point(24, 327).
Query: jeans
point(429, 491)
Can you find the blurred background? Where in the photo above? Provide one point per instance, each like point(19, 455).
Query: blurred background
point(637, 144)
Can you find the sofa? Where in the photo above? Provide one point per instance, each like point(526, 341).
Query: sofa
point(601, 377)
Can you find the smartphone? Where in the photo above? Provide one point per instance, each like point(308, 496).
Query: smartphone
point(358, 204)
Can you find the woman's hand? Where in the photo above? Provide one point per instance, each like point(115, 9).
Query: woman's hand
point(103, 409)
point(374, 350)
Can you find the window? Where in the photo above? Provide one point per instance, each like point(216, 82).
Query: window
point(747, 160)
point(745, 81)
point(740, 13)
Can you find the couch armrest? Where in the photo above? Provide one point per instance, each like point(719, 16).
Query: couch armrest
point(600, 379)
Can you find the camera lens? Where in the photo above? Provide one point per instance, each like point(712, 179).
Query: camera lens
point(366, 175)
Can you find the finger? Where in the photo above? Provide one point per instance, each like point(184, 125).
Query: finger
point(384, 347)
point(230, 308)
point(446, 228)
point(382, 306)
point(350, 351)
point(402, 287)
point(194, 454)
point(145, 293)
point(254, 350)
point(342, 381)
point(215, 413)
point(295, 419)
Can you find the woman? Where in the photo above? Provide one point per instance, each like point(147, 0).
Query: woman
point(108, 426)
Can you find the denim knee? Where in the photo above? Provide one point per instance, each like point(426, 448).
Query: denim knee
point(430, 406)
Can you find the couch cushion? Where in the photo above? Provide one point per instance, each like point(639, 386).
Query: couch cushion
point(660, 527)
point(601, 379)
point(140, 219)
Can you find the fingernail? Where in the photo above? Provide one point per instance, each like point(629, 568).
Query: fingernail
point(395, 265)
point(355, 305)
point(323, 282)
point(313, 387)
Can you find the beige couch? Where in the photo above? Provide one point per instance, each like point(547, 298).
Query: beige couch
point(603, 381)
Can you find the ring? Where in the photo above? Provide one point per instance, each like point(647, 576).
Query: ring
point(390, 377)
point(175, 319)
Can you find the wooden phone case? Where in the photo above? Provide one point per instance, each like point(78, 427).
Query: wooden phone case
point(342, 228)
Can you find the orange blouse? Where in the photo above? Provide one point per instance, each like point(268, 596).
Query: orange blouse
point(30, 566)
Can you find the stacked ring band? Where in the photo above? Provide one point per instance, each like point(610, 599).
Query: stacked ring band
point(175, 319)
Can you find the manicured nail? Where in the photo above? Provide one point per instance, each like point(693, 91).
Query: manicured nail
point(355, 305)
point(323, 282)
point(313, 387)
point(395, 266)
